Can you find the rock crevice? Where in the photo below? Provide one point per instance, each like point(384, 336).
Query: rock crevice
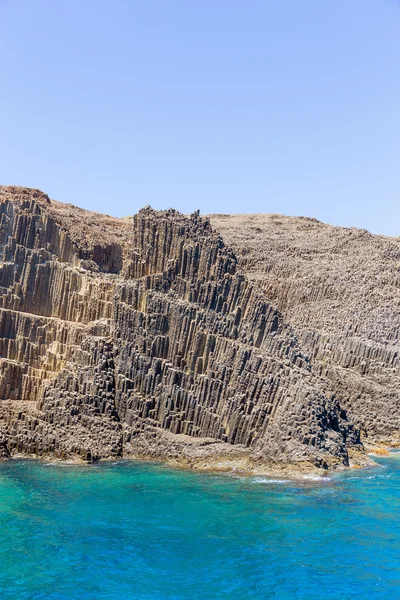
point(147, 338)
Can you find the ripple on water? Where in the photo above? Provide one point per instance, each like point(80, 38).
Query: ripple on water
point(269, 480)
point(139, 531)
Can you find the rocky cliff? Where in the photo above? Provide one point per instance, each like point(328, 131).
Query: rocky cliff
point(146, 338)
point(340, 290)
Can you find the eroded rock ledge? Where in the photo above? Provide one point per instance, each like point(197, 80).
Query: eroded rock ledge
point(340, 290)
point(146, 339)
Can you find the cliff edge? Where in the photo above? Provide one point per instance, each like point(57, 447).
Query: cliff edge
point(146, 338)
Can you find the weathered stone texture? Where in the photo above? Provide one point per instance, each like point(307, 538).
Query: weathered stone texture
point(122, 338)
point(340, 290)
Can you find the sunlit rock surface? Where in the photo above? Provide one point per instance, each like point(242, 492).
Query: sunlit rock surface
point(144, 337)
point(340, 289)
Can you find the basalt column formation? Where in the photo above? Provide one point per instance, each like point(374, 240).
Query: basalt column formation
point(340, 289)
point(144, 338)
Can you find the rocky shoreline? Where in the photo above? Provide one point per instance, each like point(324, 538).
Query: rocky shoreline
point(150, 338)
point(208, 455)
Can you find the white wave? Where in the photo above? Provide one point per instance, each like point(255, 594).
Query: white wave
point(268, 480)
point(316, 478)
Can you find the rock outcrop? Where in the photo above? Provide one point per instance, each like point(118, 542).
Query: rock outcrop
point(340, 290)
point(145, 338)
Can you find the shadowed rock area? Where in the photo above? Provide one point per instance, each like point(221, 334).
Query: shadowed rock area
point(340, 289)
point(145, 338)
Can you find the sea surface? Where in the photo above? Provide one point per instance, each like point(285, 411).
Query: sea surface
point(144, 531)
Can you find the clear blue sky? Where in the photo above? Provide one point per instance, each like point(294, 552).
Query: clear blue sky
point(284, 106)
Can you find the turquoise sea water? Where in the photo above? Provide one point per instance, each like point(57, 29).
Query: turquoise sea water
point(142, 531)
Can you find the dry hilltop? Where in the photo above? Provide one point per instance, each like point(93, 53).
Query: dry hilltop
point(272, 347)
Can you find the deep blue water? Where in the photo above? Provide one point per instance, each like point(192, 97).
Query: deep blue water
point(142, 531)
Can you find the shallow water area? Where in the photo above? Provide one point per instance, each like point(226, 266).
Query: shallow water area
point(144, 531)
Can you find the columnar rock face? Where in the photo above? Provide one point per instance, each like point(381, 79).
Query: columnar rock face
point(145, 338)
point(340, 289)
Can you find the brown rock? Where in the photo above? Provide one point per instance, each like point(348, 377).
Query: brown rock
point(340, 290)
point(145, 338)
